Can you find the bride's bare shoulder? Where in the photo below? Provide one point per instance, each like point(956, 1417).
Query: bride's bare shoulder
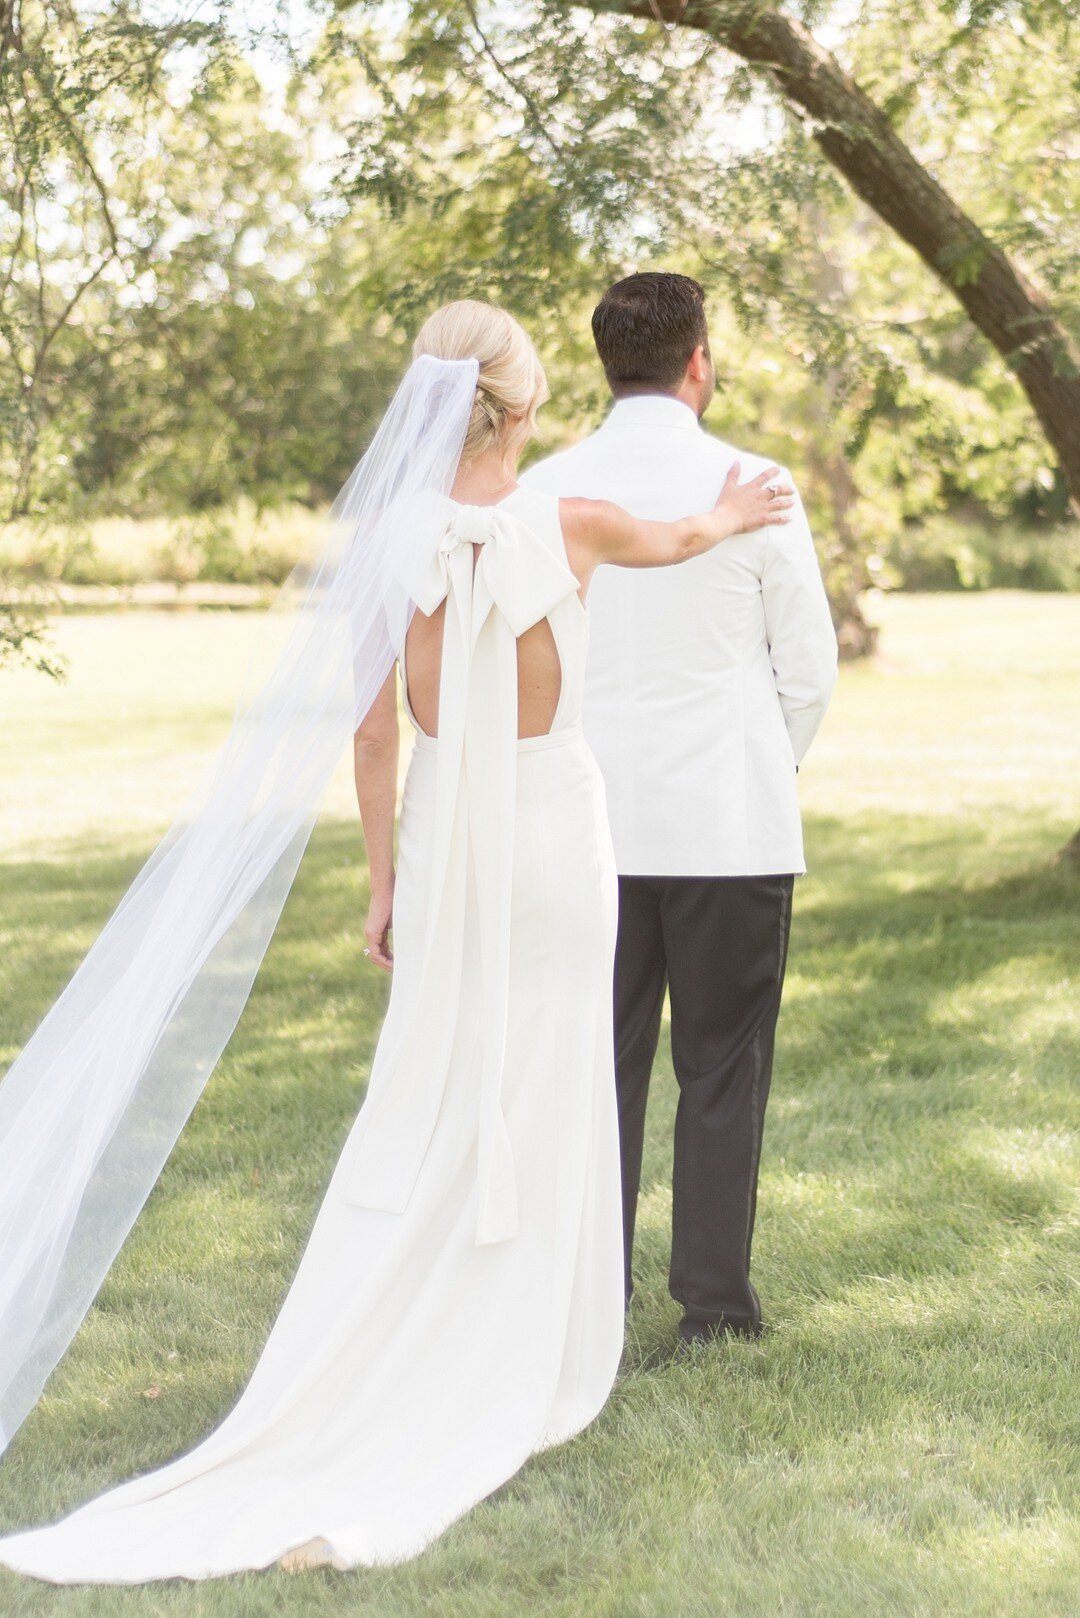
point(590, 523)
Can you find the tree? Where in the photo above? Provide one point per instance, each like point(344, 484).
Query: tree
point(609, 135)
point(68, 95)
point(861, 142)
point(610, 132)
point(264, 258)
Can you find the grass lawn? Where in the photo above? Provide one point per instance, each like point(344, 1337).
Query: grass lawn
point(906, 1438)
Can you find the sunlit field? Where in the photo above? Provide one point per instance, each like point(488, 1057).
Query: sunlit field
point(905, 1439)
point(235, 544)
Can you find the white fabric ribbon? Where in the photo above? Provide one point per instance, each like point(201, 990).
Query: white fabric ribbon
point(498, 579)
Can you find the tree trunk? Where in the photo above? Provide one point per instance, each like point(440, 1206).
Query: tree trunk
point(1069, 855)
point(859, 141)
point(847, 573)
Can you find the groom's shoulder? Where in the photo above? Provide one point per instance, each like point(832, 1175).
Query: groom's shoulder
point(602, 452)
point(722, 454)
point(551, 471)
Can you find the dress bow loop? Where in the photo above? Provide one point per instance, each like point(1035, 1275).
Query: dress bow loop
point(470, 525)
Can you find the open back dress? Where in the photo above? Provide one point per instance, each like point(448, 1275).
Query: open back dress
point(459, 1304)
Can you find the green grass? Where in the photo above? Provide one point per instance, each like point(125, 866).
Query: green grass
point(906, 1438)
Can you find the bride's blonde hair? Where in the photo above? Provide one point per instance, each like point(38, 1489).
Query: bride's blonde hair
point(511, 386)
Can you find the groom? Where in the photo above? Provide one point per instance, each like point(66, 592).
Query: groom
point(706, 684)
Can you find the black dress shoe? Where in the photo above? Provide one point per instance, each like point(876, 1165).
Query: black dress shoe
point(708, 1331)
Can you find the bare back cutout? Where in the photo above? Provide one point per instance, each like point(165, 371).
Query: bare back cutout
point(538, 664)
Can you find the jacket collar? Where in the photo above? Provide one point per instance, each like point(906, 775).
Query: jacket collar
point(652, 410)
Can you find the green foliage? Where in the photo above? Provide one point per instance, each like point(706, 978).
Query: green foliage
point(175, 329)
point(79, 206)
point(236, 544)
point(25, 638)
point(218, 247)
point(951, 554)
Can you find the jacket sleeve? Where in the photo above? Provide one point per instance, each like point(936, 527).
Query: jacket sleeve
point(543, 475)
point(799, 628)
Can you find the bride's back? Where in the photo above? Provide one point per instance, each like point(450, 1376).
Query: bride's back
point(538, 666)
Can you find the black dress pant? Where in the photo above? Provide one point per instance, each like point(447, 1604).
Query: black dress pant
point(720, 945)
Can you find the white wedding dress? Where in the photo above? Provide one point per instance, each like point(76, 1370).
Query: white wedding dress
point(459, 1304)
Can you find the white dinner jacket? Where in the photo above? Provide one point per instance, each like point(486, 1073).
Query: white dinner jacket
point(706, 682)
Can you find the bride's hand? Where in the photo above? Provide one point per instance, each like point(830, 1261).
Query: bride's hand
point(380, 919)
point(760, 503)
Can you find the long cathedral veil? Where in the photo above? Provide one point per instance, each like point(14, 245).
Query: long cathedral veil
point(91, 1108)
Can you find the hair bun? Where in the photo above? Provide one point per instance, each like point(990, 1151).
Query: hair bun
point(511, 385)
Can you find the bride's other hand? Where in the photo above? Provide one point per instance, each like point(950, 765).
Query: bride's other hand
point(380, 919)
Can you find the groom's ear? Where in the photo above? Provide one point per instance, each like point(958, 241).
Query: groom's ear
point(698, 368)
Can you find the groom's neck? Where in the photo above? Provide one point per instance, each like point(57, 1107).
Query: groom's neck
point(688, 393)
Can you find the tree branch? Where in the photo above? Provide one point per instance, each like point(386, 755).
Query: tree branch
point(536, 117)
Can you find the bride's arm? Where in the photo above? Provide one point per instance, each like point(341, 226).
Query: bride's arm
point(596, 531)
point(375, 762)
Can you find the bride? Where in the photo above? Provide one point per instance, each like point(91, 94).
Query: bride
point(459, 1304)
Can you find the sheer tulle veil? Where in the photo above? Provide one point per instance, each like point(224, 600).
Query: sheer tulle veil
point(91, 1108)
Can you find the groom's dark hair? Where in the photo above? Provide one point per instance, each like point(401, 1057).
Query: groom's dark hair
point(646, 328)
